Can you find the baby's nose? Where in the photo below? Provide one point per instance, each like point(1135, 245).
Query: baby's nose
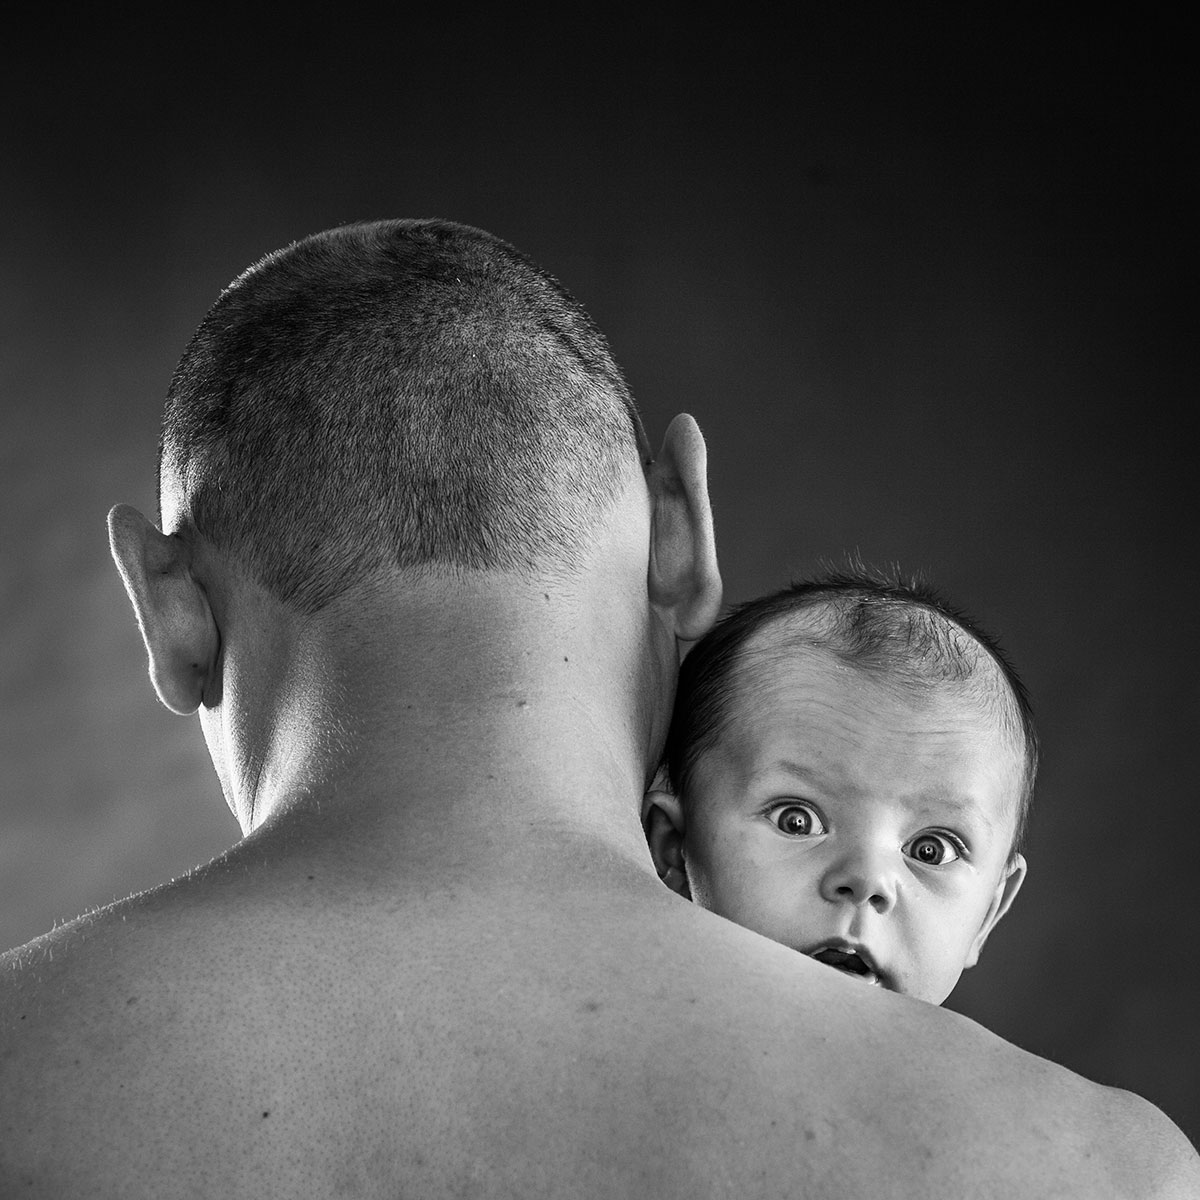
point(861, 879)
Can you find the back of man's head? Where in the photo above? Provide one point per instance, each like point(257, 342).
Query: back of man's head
point(404, 394)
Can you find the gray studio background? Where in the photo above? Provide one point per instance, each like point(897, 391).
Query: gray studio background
point(925, 288)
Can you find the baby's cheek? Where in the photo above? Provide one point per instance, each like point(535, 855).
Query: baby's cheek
point(945, 963)
point(753, 884)
point(707, 885)
point(714, 877)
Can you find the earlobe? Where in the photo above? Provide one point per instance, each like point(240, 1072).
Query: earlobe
point(171, 608)
point(684, 581)
point(662, 819)
point(1006, 893)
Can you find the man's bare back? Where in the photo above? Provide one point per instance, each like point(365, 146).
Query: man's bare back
point(294, 1037)
point(440, 962)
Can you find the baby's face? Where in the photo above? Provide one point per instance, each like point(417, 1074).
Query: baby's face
point(856, 822)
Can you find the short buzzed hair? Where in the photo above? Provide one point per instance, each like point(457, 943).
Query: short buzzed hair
point(400, 394)
point(874, 622)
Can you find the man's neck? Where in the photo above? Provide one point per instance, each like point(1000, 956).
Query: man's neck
point(431, 733)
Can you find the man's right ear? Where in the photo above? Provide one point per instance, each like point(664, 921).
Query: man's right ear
point(684, 581)
point(662, 819)
point(171, 607)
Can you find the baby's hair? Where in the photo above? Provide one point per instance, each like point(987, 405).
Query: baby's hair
point(876, 622)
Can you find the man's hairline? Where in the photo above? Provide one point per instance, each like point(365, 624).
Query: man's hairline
point(176, 519)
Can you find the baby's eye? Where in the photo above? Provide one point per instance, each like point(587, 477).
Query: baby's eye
point(799, 820)
point(933, 849)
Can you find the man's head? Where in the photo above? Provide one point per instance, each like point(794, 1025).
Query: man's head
point(395, 395)
point(408, 413)
point(851, 764)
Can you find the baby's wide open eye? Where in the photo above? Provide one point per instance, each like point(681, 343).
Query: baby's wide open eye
point(799, 820)
point(933, 849)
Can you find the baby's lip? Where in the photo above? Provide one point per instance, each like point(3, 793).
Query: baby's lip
point(850, 958)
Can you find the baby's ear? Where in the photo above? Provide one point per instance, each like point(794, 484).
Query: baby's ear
point(1006, 893)
point(662, 819)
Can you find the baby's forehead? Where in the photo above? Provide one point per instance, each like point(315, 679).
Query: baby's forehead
point(782, 673)
point(924, 655)
point(782, 668)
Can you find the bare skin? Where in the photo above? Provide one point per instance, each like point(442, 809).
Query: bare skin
point(441, 964)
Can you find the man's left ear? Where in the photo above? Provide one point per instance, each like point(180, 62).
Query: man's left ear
point(171, 607)
point(1006, 893)
point(684, 581)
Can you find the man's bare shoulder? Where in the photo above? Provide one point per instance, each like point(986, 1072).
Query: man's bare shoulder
point(959, 1110)
point(678, 1048)
point(1120, 1142)
point(1162, 1161)
point(95, 944)
point(124, 1032)
point(41, 974)
point(82, 982)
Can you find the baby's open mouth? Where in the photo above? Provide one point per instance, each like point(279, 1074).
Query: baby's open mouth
point(851, 962)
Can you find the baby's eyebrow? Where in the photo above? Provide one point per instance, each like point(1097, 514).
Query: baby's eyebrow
point(827, 778)
point(813, 776)
point(964, 808)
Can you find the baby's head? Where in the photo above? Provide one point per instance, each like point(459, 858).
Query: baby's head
point(851, 763)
